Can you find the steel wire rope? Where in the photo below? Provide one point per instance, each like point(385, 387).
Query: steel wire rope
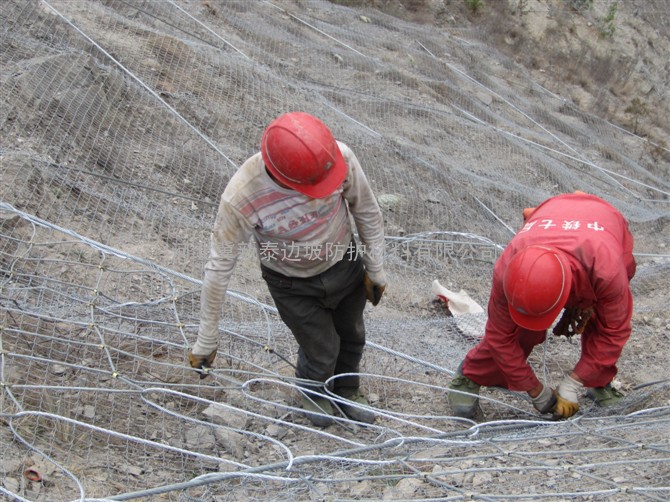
point(338, 401)
point(292, 459)
point(649, 384)
point(109, 432)
point(633, 444)
point(311, 26)
point(626, 462)
point(152, 302)
point(505, 100)
point(17, 257)
point(217, 478)
point(611, 174)
point(104, 248)
point(264, 348)
point(14, 496)
point(183, 30)
point(409, 358)
point(85, 324)
point(141, 83)
point(385, 413)
point(490, 211)
point(217, 372)
point(580, 159)
point(203, 25)
point(33, 448)
point(571, 453)
point(542, 467)
point(350, 118)
point(664, 409)
point(46, 360)
point(120, 181)
point(180, 416)
point(549, 467)
point(522, 469)
point(254, 472)
point(393, 414)
point(518, 469)
point(579, 469)
point(433, 480)
point(93, 326)
point(293, 408)
point(43, 288)
point(579, 423)
point(162, 271)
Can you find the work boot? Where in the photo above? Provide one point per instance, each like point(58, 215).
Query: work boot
point(463, 405)
point(318, 409)
point(354, 411)
point(605, 396)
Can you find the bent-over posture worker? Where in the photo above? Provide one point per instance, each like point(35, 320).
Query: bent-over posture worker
point(295, 197)
point(573, 254)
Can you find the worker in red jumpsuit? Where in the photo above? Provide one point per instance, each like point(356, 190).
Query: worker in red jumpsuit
point(573, 254)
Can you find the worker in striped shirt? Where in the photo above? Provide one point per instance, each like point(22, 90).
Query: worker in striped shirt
point(297, 197)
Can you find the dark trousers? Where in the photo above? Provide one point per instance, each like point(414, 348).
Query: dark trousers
point(325, 315)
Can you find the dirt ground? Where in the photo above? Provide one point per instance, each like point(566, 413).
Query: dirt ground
point(616, 68)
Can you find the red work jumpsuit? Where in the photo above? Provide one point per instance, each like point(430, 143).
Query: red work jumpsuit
point(599, 245)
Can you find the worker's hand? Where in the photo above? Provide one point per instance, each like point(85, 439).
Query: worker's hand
point(566, 398)
point(545, 401)
point(564, 408)
point(373, 291)
point(201, 363)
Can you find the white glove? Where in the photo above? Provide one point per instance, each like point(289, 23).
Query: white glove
point(567, 400)
point(569, 388)
point(373, 291)
point(545, 400)
point(378, 278)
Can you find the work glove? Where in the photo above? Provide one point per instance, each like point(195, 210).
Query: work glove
point(373, 291)
point(545, 401)
point(566, 398)
point(201, 363)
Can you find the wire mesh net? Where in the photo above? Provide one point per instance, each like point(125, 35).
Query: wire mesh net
point(122, 121)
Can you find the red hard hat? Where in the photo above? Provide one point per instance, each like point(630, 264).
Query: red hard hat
point(301, 152)
point(537, 285)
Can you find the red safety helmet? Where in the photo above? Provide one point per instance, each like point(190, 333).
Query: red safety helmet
point(301, 152)
point(537, 284)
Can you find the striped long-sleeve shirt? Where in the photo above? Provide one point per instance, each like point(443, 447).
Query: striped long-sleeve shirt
point(296, 235)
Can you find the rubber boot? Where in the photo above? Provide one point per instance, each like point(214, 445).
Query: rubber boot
point(355, 411)
point(605, 396)
point(318, 408)
point(465, 401)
